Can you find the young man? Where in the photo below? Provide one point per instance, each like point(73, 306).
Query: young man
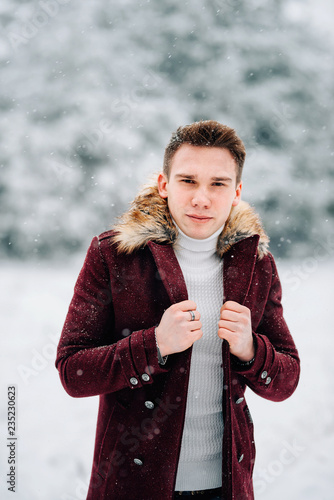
point(174, 312)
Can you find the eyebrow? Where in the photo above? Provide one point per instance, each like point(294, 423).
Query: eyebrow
point(216, 179)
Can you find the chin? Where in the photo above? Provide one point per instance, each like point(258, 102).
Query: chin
point(201, 235)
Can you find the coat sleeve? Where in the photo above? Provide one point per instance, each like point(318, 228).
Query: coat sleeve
point(274, 374)
point(88, 362)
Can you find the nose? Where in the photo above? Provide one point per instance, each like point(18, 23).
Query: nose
point(201, 199)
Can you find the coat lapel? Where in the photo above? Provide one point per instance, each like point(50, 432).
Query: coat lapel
point(239, 263)
point(169, 271)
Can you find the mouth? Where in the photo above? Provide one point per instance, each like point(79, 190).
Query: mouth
point(199, 218)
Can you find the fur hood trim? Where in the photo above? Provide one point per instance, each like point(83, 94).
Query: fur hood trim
point(148, 219)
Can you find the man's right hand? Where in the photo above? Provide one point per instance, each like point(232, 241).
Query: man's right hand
point(176, 332)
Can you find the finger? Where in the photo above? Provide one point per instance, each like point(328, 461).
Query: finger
point(190, 313)
point(229, 326)
point(186, 305)
point(226, 335)
point(197, 334)
point(228, 315)
point(232, 306)
point(195, 325)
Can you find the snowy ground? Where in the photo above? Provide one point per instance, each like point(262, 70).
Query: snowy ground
point(56, 433)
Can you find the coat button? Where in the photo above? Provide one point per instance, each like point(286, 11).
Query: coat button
point(137, 461)
point(268, 380)
point(149, 405)
point(239, 400)
point(240, 459)
point(264, 374)
point(145, 377)
point(133, 381)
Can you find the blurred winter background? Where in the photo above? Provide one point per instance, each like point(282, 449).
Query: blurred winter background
point(90, 93)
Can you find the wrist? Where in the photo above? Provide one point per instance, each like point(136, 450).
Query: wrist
point(159, 343)
point(248, 357)
point(161, 358)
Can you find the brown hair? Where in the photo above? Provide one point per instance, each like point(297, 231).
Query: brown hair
point(208, 133)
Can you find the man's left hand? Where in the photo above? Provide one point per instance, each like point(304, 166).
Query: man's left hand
point(235, 326)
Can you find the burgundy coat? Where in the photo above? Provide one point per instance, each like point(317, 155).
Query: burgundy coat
point(107, 348)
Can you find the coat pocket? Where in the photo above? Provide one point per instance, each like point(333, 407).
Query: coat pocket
point(108, 458)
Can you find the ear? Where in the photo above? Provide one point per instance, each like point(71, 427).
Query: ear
point(162, 185)
point(237, 197)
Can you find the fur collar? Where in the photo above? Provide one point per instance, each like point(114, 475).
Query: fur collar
point(148, 219)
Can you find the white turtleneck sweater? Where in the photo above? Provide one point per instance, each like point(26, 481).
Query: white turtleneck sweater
point(200, 463)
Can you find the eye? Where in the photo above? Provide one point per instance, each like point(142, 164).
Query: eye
point(219, 184)
point(188, 181)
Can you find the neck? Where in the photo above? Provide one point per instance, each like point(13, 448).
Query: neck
point(197, 245)
point(197, 253)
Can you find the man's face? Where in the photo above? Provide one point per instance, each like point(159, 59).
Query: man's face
point(201, 189)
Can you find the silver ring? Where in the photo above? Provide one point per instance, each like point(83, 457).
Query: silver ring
point(192, 314)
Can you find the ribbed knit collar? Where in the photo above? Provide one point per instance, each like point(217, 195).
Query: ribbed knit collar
point(207, 246)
